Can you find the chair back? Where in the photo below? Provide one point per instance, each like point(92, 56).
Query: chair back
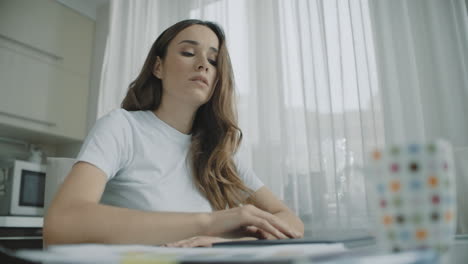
point(56, 171)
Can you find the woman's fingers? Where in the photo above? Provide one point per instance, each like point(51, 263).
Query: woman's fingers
point(279, 224)
point(266, 235)
point(265, 225)
point(197, 241)
point(259, 233)
point(228, 221)
point(268, 222)
point(254, 231)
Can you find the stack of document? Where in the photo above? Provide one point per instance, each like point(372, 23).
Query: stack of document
point(132, 254)
point(294, 254)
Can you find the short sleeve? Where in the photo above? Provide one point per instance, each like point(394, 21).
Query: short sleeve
point(108, 144)
point(247, 175)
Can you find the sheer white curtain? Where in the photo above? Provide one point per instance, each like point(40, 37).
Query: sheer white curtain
point(331, 110)
point(423, 66)
point(422, 58)
point(133, 27)
point(308, 98)
point(308, 102)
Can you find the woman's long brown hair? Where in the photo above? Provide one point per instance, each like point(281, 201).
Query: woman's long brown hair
point(215, 133)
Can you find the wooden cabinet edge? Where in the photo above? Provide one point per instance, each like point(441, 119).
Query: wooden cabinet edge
point(35, 132)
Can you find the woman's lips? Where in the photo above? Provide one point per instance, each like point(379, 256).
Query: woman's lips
point(200, 79)
point(200, 82)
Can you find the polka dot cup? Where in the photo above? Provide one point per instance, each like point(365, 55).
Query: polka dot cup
point(414, 196)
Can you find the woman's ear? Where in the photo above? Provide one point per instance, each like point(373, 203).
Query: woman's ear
point(157, 70)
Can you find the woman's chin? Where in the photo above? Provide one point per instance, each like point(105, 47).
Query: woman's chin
point(199, 97)
point(197, 100)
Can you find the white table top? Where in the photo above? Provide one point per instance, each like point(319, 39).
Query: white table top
point(21, 221)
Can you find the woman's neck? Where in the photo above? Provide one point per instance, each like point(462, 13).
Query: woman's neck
point(177, 116)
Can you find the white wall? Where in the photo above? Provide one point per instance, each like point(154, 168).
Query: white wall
point(99, 45)
point(20, 151)
point(100, 37)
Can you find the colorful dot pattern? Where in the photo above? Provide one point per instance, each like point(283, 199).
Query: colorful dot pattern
point(415, 195)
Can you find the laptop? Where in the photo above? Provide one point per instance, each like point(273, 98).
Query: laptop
point(348, 241)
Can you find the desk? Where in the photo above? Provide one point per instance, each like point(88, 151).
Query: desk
point(458, 254)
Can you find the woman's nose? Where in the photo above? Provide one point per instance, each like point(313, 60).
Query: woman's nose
point(201, 68)
point(202, 65)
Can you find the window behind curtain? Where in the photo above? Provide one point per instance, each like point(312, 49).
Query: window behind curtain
point(308, 101)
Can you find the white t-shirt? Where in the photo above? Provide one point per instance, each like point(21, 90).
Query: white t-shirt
point(146, 163)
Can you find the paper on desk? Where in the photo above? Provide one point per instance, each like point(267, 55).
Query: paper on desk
point(98, 253)
point(409, 257)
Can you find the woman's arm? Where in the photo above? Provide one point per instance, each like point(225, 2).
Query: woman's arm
point(267, 201)
point(75, 216)
point(264, 202)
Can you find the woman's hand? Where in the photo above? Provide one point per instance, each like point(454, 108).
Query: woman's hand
point(203, 241)
point(258, 233)
point(251, 219)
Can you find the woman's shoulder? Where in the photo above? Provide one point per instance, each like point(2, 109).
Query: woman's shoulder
point(118, 113)
point(121, 117)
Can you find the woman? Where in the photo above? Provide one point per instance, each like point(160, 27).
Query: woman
point(162, 170)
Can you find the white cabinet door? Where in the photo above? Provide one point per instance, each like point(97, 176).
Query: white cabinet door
point(34, 23)
point(69, 104)
point(45, 58)
point(26, 82)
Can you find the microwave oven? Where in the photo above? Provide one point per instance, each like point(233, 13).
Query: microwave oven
point(22, 186)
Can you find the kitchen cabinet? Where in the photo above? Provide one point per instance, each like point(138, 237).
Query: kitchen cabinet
point(45, 60)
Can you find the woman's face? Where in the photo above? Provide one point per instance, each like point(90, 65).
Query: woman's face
point(188, 72)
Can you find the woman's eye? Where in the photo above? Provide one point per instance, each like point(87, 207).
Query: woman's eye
point(213, 62)
point(190, 54)
point(187, 54)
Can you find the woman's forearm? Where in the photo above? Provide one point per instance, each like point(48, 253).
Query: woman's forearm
point(88, 222)
point(96, 223)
